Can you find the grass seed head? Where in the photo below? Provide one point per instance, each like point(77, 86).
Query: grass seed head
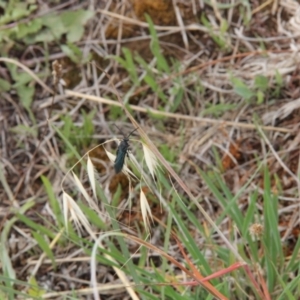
point(151, 160)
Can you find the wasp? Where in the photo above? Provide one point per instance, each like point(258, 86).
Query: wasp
point(122, 151)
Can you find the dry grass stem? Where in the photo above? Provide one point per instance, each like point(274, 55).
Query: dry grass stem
point(177, 116)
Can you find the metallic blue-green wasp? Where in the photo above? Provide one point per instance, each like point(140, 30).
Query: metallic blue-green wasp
point(122, 151)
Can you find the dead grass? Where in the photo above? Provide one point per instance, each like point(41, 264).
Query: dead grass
point(26, 156)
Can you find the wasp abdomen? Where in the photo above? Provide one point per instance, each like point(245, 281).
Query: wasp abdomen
point(121, 153)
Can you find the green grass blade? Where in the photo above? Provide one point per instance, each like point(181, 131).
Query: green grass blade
point(44, 245)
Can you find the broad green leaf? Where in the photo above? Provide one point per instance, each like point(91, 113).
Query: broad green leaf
point(24, 29)
point(26, 95)
point(55, 25)
point(74, 22)
point(15, 11)
point(20, 78)
point(4, 85)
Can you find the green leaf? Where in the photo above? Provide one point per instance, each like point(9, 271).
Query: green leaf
point(72, 51)
point(6, 265)
point(74, 22)
point(261, 82)
point(53, 200)
point(119, 59)
point(115, 112)
point(242, 89)
point(272, 242)
point(24, 29)
point(224, 26)
point(4, 85)
point(249, 217)
point(70, 23)
point(44, 36)
point(21, 78)
point(24, 130)
point(15, 11)
point(162, 63)
point(67, 142)
point(150, 80)
point(55, 26)
point(279, 79)
point(260, 97)
point(218, 37)
point(78, 17)
point(167, 154)
point(26, 95)
point(35, 290)
point(162, 96)
point(131, 68)
point(44, 246)
point(88, 127)
point(36, 226)
point(178, 99)
point(217, 109)
point(116, 196)
point(67, 126)
point(93, 217)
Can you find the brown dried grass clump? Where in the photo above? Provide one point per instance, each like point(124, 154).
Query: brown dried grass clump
point(161, 12)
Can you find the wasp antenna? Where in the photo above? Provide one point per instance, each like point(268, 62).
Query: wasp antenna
point(120, 130)
point(132, 132)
